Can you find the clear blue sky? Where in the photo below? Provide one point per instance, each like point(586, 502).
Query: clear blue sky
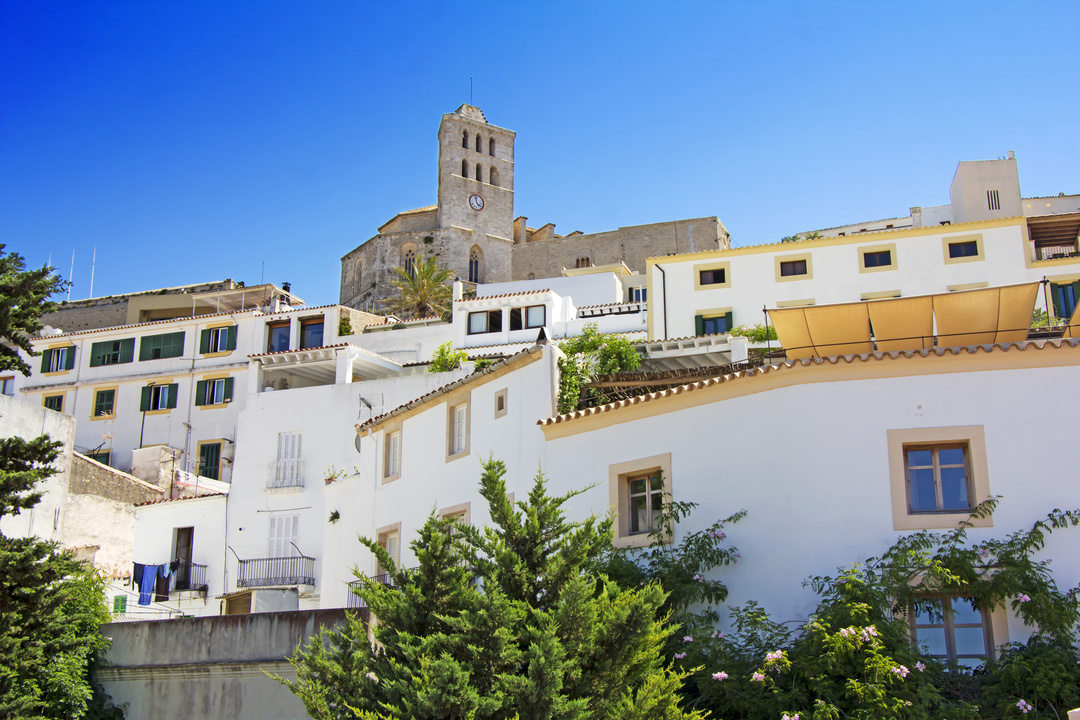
point(191, 141)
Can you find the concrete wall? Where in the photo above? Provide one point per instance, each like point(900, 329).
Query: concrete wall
point(212, 668)
point(972, 182)
point(631, 245)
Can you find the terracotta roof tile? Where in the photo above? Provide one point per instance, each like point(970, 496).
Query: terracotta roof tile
point(492, 297)
point(190, 497)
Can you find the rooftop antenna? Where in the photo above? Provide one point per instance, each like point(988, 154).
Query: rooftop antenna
point(470, 90)
point(93, 261)
point(70, 274)
point(262, 275)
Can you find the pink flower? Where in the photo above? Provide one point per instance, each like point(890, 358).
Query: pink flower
point(687, 638)
point(717, 634)
point(785, 716)
point(919, 666)
point(1024, 598)
point(774, 656)
point(901, 671)
point(719, 675)
point(680, 656)
point(757, 677)
point(1024, 706)
point(697, 578)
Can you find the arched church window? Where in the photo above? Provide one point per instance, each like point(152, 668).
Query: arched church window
point(408, 260)
point(493, 176)
point(479, 143)
point(476, 260)
point(464, 169)
point(479, 172)
point(491, 147)
point(582, 262)
point(465, 139)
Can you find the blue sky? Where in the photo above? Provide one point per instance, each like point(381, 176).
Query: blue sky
point(195, 141)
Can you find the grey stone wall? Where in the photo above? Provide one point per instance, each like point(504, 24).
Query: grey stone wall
point(212, 667)
point(92, 478)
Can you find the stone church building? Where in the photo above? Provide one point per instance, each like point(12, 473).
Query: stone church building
point(473, 232)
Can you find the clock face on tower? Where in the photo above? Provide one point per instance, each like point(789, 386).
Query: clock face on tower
point(476, 202)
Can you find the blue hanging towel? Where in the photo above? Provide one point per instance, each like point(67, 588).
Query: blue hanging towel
point(146, 583)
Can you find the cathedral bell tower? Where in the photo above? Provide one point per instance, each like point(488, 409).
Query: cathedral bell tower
point(476, 178)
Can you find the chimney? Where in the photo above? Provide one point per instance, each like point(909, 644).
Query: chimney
point(1012, 155)
point(459, 289)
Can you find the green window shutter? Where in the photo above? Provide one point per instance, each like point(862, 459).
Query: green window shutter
point(699, 325)
point(1055, 296)
point(200, 392)
point(69, 358)
point(45, 356)
point(173, 345)
point(127, 350)
point(97, 352)
point(119, 604)
point(204, 342)
point(228, 390)
point(727, 319)
point(144, 403)
point(146, 348)
point(171, 402)
point(231, 340)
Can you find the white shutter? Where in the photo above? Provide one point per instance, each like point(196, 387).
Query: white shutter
point(284, 531)
point(289, 467)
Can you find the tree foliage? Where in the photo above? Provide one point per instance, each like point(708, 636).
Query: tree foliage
point(24, 298)
point(50, 604)
point(508, 621)
point(590, 354)
point(424, 292)
point(446, 358)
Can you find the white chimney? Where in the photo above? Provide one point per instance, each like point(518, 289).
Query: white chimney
point(459, 290)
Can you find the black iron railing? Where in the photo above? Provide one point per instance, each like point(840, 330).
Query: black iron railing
point(270, 572)
point(188, 576)
point(355, 601)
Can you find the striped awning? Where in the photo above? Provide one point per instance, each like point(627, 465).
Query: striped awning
point(968, 317)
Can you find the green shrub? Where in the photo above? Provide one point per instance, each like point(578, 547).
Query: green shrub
point(445, 358)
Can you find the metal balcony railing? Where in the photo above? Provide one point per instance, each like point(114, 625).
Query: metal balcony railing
point(1056, 250)
point(355, 601)
point(285, 474)
point(188, 576)
point(272, 572)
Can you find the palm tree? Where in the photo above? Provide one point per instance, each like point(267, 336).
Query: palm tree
point(424, 292)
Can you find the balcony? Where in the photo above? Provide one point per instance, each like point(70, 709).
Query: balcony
point(285, 474)
point(1056, 251)
point(188, 576)
point(276, 572)
point(355, 601)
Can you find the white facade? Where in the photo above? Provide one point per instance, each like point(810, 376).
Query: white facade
point(838, 270)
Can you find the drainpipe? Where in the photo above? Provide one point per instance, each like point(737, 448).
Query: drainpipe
point(664, 294)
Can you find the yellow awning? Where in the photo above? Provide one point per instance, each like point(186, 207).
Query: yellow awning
point(970, 317)
point(1073, 331)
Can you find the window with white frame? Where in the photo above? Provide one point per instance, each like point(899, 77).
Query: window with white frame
point(284, 536)
point(288, 471)
point(457, 440)
point(216, 391)
point(393, 454)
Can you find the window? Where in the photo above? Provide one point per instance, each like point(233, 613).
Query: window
point(465, 168)
point(953, 629)
point(158, 397)
point(216, 391)
point(277, 336)
point(475, 261)
point(938, 476)
point(457, 441)
point(284, 536)
point(487, 321)
point(389, 540)
point(209, 454)
point(119, 604)
point(392, 455)
point(288, 470)
point(638, 490)
point(112, 352)
point(1062, 295)
point(479, 172)
point(479, 143)
point(880, 258)
point(500, 403)
point(104, 401)
point(793, 267)
point(527, 317)
point(458, 514)
point(101, 456)
point(493, 176)
point(491, 147)
point(155, 347)
point(408, 260)
point(54, 402)
point(59, 359)
point(713, 277)
point(713, 323)
point(184, 545)
point(582, 262)
point(993, 200)
point(639, 294)
point(217, 340)
point(7, 386)
point(964, 248)
point(311, 332)
point(465, 139)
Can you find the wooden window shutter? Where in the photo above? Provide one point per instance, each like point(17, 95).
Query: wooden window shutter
point(144, 402)
point(230, 342)
point(69, 358)
point(228, 390)
point(45, 357)
point(727, 319)
point(200, 392)
point(171, 401)
point(699, 325)
point(204, 342)
point(127, 350)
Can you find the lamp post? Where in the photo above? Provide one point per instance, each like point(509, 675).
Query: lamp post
point(142, 425)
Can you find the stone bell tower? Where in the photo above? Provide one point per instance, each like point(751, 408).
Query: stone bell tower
point(476, 176)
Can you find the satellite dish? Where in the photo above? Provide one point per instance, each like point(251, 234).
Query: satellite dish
point(356, 443)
